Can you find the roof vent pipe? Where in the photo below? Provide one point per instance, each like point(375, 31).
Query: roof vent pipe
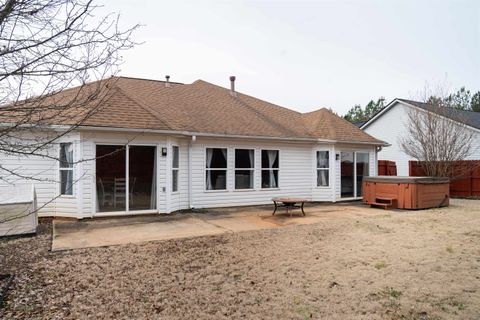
point(167, 83)
point(232, 86)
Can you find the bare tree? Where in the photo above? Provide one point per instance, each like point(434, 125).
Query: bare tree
point(46, 48)
point(437, 135)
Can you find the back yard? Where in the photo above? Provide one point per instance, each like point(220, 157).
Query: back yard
point(394, 265)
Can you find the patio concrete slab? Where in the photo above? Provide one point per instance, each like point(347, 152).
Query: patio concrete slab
point(67, 236)
point(134, 229)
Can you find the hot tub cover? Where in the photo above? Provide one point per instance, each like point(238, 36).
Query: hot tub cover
point(406, 179)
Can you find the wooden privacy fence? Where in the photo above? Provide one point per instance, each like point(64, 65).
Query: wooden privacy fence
point(464, 181)
point(387, 168)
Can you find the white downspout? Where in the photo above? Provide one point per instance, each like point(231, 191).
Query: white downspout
point(377, 150)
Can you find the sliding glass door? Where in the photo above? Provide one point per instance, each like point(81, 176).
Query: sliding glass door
point(111, 171)
point(142, 178)
point(354, 166)
point(362, 165)
point(347, 174)
point(125, 178)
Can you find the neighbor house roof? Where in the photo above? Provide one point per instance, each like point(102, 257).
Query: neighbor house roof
point(202, 107)
point(469, 118)
point(359, 124)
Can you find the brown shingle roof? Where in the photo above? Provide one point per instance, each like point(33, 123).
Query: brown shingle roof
point(202, 107)
point(323, 123)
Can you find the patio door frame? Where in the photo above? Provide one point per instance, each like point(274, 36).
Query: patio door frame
point(127, 182)
point(354, 152)
point(368, 164)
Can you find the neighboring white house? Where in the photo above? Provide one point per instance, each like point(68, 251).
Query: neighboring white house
point(159, 146)
point(390, 125)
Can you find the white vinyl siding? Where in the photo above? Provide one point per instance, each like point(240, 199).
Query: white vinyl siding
point(179, 199)
point(297, 172)
point(390, 127)
point(297, 175)
point(45, 172)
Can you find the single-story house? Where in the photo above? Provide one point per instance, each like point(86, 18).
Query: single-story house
point(390, 125)
point(159, 146)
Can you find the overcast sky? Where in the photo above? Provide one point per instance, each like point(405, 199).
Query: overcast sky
point(307, 55)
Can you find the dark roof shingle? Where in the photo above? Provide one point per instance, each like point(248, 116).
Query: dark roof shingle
point(470, 118)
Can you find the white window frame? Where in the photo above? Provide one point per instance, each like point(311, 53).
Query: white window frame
point(175, 169)
point(317, 169)
point(60, 169)
point(215, 169)
point(252, 169)
point(270, 169)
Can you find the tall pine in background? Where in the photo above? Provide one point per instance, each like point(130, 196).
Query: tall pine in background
point(359, 114)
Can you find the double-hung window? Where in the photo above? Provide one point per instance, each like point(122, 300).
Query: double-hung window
point(66, 168)
point(244, 168)
point(270, 167)
point(323, 168)
point(175, 168)
point(216, 169)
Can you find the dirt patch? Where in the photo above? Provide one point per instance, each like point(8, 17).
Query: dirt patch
point(416, 265)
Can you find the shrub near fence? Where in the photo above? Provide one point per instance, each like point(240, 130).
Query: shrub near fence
point(464, 181)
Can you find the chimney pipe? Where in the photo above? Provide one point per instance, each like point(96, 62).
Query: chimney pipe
point(167, 83)
point(232, 86)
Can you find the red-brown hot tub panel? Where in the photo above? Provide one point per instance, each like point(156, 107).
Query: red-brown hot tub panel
point(407, 192)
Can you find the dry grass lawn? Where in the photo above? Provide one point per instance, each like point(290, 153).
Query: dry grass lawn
point(399, 265)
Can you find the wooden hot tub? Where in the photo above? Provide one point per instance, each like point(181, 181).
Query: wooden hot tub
point(406, 192)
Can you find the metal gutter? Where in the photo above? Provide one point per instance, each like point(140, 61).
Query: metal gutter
point(204, 134)
point(218, 135)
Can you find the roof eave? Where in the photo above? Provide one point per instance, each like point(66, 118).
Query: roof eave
point(380, 113)
point(199, 134)
point(425, 110)
point(222, 135)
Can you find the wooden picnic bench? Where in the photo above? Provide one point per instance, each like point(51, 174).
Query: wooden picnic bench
point(289, 204)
